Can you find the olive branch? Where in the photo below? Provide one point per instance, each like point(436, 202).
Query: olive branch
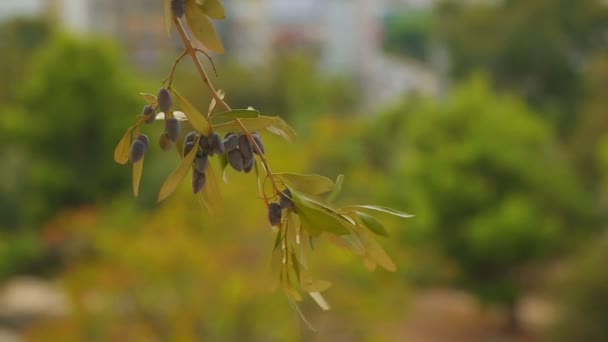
point(300, 207)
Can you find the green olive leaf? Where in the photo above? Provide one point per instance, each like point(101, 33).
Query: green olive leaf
point(316, 219)
point(178, 175)
point(236, 114)
point(310, 184)
point(375, 252)
point(372, 223)
point(315, 285)
point(272, 124)
point(385, 210)
point(202, 28)
point(337, 188)
point(197, 120)
point(213, 8)
point(221, 94)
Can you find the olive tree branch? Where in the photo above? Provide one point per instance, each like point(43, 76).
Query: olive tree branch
point(192, 51)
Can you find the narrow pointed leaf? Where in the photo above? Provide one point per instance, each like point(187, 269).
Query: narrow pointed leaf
point(272, 124)
point(380, 209)
point(197, 120)
point(316, 220)
point(296, 265)
point(315, 285)
point(281, 128)
point(138, 169)
point(337, 188)
point(310, 184)
point(177, 176)
point(123, 149)
point(376, 253)
point(202, 28)
point(372, 223)
point(214, 9)
point(321, 302)
point(213, 103)
point(211, 192)
point(168, 16)
point(149, 98)
point(237, 114)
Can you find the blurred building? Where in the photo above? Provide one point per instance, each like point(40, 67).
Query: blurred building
point(137, 24)
point(345, 35)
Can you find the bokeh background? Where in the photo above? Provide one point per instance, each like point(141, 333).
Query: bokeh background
point(488, 120)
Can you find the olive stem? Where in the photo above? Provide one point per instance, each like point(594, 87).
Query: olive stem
point(192, 51)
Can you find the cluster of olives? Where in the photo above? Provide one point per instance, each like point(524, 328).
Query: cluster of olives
point(240, 151)
point(275, 210)
point(207, 147)
point(172, 125)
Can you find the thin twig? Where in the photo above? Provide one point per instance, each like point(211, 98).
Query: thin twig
point(210, 60)
point(170, 78)
point(191, 50)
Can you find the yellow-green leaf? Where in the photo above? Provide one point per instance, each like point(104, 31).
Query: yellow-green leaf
point(211, 192)
point(197, 120)
point(237, 114)
point(309, 184)
point(202, 28)
point(221, 94)
point(317, 220)
point(321, 302)
point(281, 128)
point(372, 223)
point(168, 16)
point(272, 124)
point(176, 177)
point(315, 285)
point(149, 98)
point(138, 169)
point(385, 210)
point(337, 188)
point(123, 149)
point(376, 253)
point(213, 8)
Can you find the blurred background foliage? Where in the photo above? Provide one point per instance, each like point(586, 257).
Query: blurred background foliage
point(506, 172)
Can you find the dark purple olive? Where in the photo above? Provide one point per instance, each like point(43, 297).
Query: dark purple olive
point(231, 142)
point(144, 139)
point(245, 146)
point(172, 127)
point(235, 159)
point(274, 214)
point(165, 102)
point(138, 149)
point(198, 181)
point(258, 141)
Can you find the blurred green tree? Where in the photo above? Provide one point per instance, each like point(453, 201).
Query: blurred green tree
point(75, 101)
point(492, 194)
point(497, 196)
point(536, 48)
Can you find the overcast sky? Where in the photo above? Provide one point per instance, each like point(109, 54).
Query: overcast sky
point(20, 7)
